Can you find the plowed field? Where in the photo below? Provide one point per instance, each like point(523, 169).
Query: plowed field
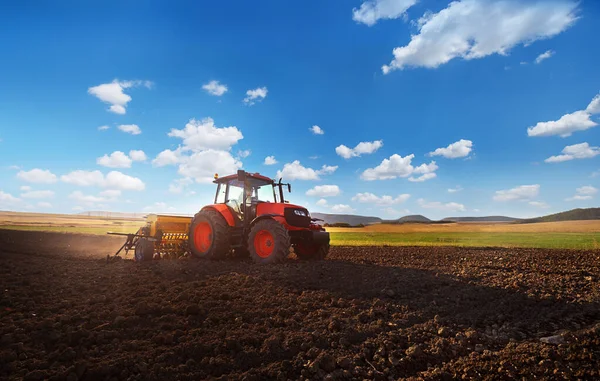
point(364, 313)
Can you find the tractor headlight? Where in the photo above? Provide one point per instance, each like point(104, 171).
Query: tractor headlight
point(300, 213)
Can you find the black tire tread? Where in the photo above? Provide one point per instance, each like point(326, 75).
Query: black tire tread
point(221, 245)
point(145, 248)
point(281, 237)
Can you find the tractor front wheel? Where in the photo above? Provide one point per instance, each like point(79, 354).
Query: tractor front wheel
point(208, 236)
point(268, 242)
point(144, 250)
point(311, 252)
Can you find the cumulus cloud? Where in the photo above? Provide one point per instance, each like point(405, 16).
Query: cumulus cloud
point(296, 171)
point(215, 88)
point(423, 177)
point(244, 154)
point(370, 198)
point(584, 193)
point(341, 208)
point(461, 148)
point(116, 159)
point(25, 188)
point(80, 197)
point(103, 128)
point(544, 56)
point(39, 176)
point(473, 29)
point(322, 202)
point(454, 190)
point(7, 198)
point(132, 129)
point(317, 130)
point(137, 155)
point(449, 207)
point(398, 166)
point(113, 93)
point(270, 160)
point(202, 165)
point(568, 123)
point(575, 151)
point(520, 193)
point(38, 194)
point(179, 185)
point(324, 191)
point(255, 95)
point(361, 148)
point(167, 157)
point(111, 194)
point(113, 180)
point(203, 134)
point(371, 11)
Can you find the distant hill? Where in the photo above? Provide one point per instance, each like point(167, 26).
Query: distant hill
point(570, 215)
point(481, 219)
point(346, 218)
point(413, 218)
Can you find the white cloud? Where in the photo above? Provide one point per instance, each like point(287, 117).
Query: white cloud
point(539, 204)
point(544, 56)
point(25, 188)
point(296, 171)
point(37, 175)
point(398, 166)
point(270, 160)
point(424, 177)
point(116, 159)
point(7, 198)
point(317, 130)
point(137, 155)
point(80, 197)
point(454, 190)
point(132, 129)
point(473, 29)
point(584, 193)
point(255, 95)
point(179, 185)
point(341, 208)
point(202, 166)
point(44, 204)
point(203, 134)
point(103, 128)
point(457, 149)
point(371, 11)
point(113, 94)
point(113, 180)
point(361, 148)
point(167, 157)
point(215, 88)
point(38, 194)
point(449, 207)
point(568, 123)
point(244, 154)
point(322, 202)
point(521, 193)
point(370, 198)
point(111, 193)
point(575, 151)
point(324, 191)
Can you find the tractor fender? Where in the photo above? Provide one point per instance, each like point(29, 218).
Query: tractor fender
point(265, 216)
point(224, 211)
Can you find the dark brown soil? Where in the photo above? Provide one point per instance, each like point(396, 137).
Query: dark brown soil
point(364, 313)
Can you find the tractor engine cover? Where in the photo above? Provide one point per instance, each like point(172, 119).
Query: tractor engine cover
point(297, 217)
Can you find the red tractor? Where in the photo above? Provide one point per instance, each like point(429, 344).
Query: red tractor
point(251, 217)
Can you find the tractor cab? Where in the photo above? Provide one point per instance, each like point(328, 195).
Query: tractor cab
point(242, 192)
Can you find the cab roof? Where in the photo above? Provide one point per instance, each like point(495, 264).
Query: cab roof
point(257, 176)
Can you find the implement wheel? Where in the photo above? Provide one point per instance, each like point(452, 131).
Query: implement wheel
point(144, 250)
point(311, 252)
point(268, 242)
point(209, 236)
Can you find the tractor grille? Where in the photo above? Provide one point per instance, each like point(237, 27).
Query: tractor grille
point(292, 218)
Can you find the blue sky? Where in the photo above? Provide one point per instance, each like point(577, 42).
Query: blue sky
point(502, 91)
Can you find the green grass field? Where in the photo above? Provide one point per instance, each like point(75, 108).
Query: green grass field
point(469, 239)
point(551, 240)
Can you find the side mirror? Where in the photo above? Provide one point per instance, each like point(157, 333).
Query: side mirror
point(241, 174)
point(289, 188)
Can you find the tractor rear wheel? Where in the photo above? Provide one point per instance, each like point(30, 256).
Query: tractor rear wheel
point(311, 252)
point(208, 236)
point(144, 250)
point(268, 242)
